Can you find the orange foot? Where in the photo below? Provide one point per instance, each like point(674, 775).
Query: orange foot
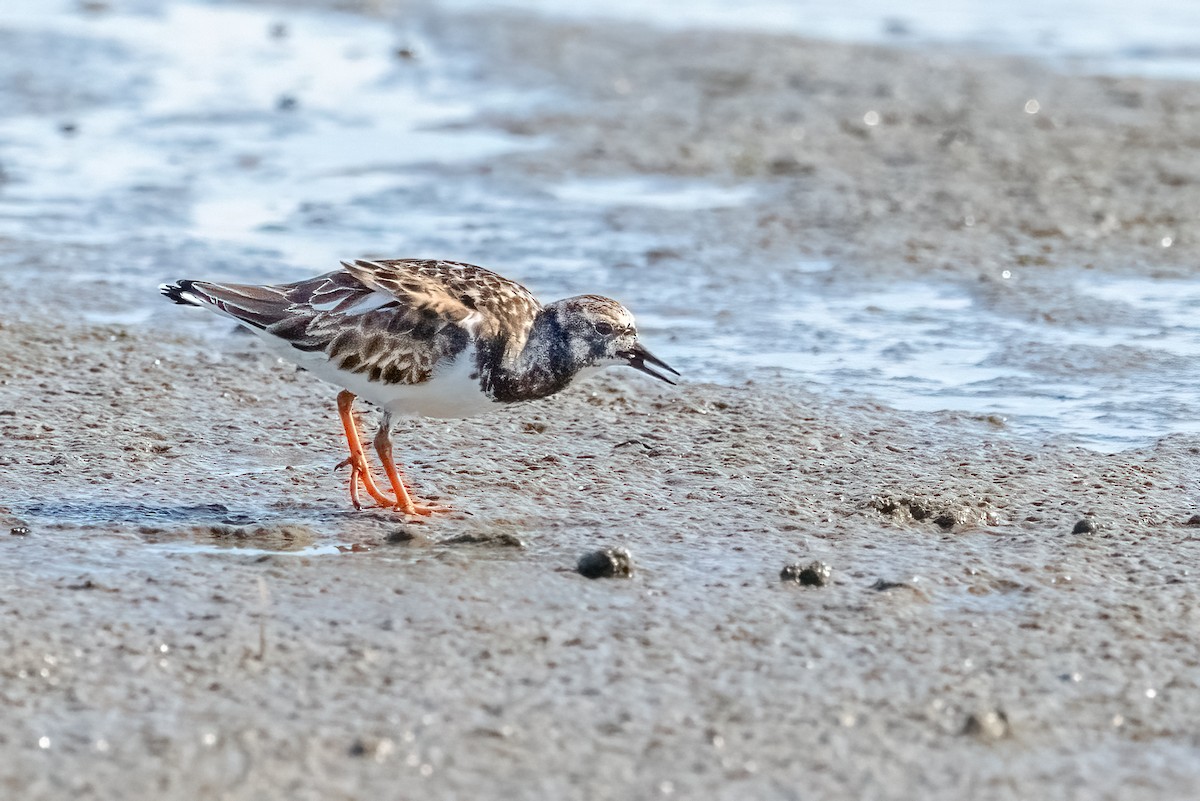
point(404, 501)
point(360, 470)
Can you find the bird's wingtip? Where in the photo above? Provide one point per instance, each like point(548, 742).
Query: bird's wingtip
point(180, 292)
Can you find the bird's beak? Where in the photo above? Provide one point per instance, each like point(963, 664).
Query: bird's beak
point(638, 358)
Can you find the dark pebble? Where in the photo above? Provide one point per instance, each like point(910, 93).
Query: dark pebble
point(881, 585)
point(1085, 526)
point(649, 450)
point(19, 531)
point(406, 53)
point(607, 563)
point(790, 166)
point(286, 103)
point(358, 748)
point(400, 535)
point(814, 574)
point(946, 520)
point(1194, 520)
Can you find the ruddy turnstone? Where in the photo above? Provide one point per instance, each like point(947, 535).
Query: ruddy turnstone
point(429, 338)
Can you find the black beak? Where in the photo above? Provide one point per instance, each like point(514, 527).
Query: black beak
point(639, 357)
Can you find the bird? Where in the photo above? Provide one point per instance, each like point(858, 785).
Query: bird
point(424, 337)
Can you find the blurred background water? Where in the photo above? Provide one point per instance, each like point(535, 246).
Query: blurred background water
point(266, 143)
point(1154, 38)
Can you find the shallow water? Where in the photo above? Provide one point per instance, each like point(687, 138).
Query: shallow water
point(644, 192)
point(283, 141)
point(927, 347)
point(255, 116)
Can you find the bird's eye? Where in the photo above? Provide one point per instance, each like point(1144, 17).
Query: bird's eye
point(603, 329)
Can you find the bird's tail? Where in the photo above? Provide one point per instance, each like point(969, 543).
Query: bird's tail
point(255, 306)
point(181, 292)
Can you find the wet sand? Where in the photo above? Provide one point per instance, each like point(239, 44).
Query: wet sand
point(180, 620)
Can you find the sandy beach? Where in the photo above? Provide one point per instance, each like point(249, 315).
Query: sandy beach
point(192, 610)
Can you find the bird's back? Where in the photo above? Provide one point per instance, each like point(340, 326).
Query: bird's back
point(389, 322)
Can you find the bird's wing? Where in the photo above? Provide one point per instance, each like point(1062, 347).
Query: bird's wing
point(392, 321)
point(486, 303)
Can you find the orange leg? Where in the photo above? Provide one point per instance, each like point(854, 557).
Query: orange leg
point(383, 446)
point(359, 469)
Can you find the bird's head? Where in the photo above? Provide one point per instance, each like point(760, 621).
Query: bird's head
point(600, 332)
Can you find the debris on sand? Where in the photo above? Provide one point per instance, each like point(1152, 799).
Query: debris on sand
point(268, 536)
point(988, 726)
point(901, 589)
point(814, 574)
point(606, 563)
point(946, 514)
point(503, 539)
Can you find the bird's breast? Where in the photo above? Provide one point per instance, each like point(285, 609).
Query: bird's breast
point(454, 390)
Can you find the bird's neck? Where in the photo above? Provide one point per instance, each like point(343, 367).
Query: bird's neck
point(544, 366)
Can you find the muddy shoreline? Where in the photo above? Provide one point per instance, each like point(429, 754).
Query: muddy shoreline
point(191, 608)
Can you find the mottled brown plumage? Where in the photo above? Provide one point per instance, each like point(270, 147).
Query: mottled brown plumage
point(435, 308)
point(433, 338)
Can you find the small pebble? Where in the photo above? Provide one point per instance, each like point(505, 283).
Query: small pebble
point(814, 574)
point(991, 725)
point(1085, 526)
point(1194, 520)
point(19, 531)
point(286, 103)
point(607, 563)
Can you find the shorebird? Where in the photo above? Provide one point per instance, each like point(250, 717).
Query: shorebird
point(425, 338)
